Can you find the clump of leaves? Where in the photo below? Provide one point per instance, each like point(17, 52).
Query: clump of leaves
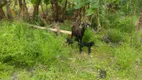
point(88, 35)
point(125, 24)
point(125, 57)
point(22, 46)
point(114, 36)
point(5, 71)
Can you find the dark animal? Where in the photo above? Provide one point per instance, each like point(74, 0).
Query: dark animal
point(87, 44)
point(78, 33)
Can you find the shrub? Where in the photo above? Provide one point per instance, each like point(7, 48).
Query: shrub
point(125, 57)
point(124, 24)
point(118, 21)
point(88, 35)
point(23, 46)
point(114, 35)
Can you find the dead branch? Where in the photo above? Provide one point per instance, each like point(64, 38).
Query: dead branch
point(50, 29)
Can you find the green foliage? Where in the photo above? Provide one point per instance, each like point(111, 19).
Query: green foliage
point(46, 1)
point(22, 46)
point(81, 3)
point(125, 57)
point(137, 40)
point(5, 71)
point(124, 24)
point(88, 35)
point(115, 36)
point(94, 23)
point(3, 2)
point(35, 1)
point(91, 10)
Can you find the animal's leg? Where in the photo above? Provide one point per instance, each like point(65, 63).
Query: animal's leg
point(89, 49)
point(80, 46)
point(89, 46)
point(80, 49)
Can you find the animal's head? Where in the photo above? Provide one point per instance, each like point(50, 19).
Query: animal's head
point(85, 25)
point(75, 24)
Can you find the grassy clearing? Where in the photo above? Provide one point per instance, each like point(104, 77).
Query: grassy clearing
point(31, 54)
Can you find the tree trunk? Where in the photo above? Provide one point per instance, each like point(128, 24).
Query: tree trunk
point(36, 10)
point(64, 10)
point(23, 9)
point(9, 15)
point(2, 14)
point(57, 11)
point(26, 16)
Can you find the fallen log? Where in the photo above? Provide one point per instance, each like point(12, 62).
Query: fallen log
point(62, 31)
point(51, 29)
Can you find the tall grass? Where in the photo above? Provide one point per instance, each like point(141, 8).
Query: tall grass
point(23, 46)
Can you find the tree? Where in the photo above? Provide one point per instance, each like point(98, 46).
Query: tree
point(9, 16)
point(36, 4)
point(2, 14)
point(23, 11)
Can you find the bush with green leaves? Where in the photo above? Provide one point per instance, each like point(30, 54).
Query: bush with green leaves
point(114, 35)
point(88, 35)
point(124, 24)
point(24, 46)
point(5, 71)
point(125, 57)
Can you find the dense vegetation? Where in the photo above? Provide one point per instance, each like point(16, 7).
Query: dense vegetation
point(27, 53)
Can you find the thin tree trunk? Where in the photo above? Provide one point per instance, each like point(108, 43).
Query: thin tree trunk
point(56, 10)
point(36, 10)
point(23, 9)
point(20, 6)
point(42, 8)
point(2, 14)
point(64, 10)
point(26, 16)
point(9, 15)
point(83, 11)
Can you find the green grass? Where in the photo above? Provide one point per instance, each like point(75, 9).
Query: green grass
point(32, 54)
